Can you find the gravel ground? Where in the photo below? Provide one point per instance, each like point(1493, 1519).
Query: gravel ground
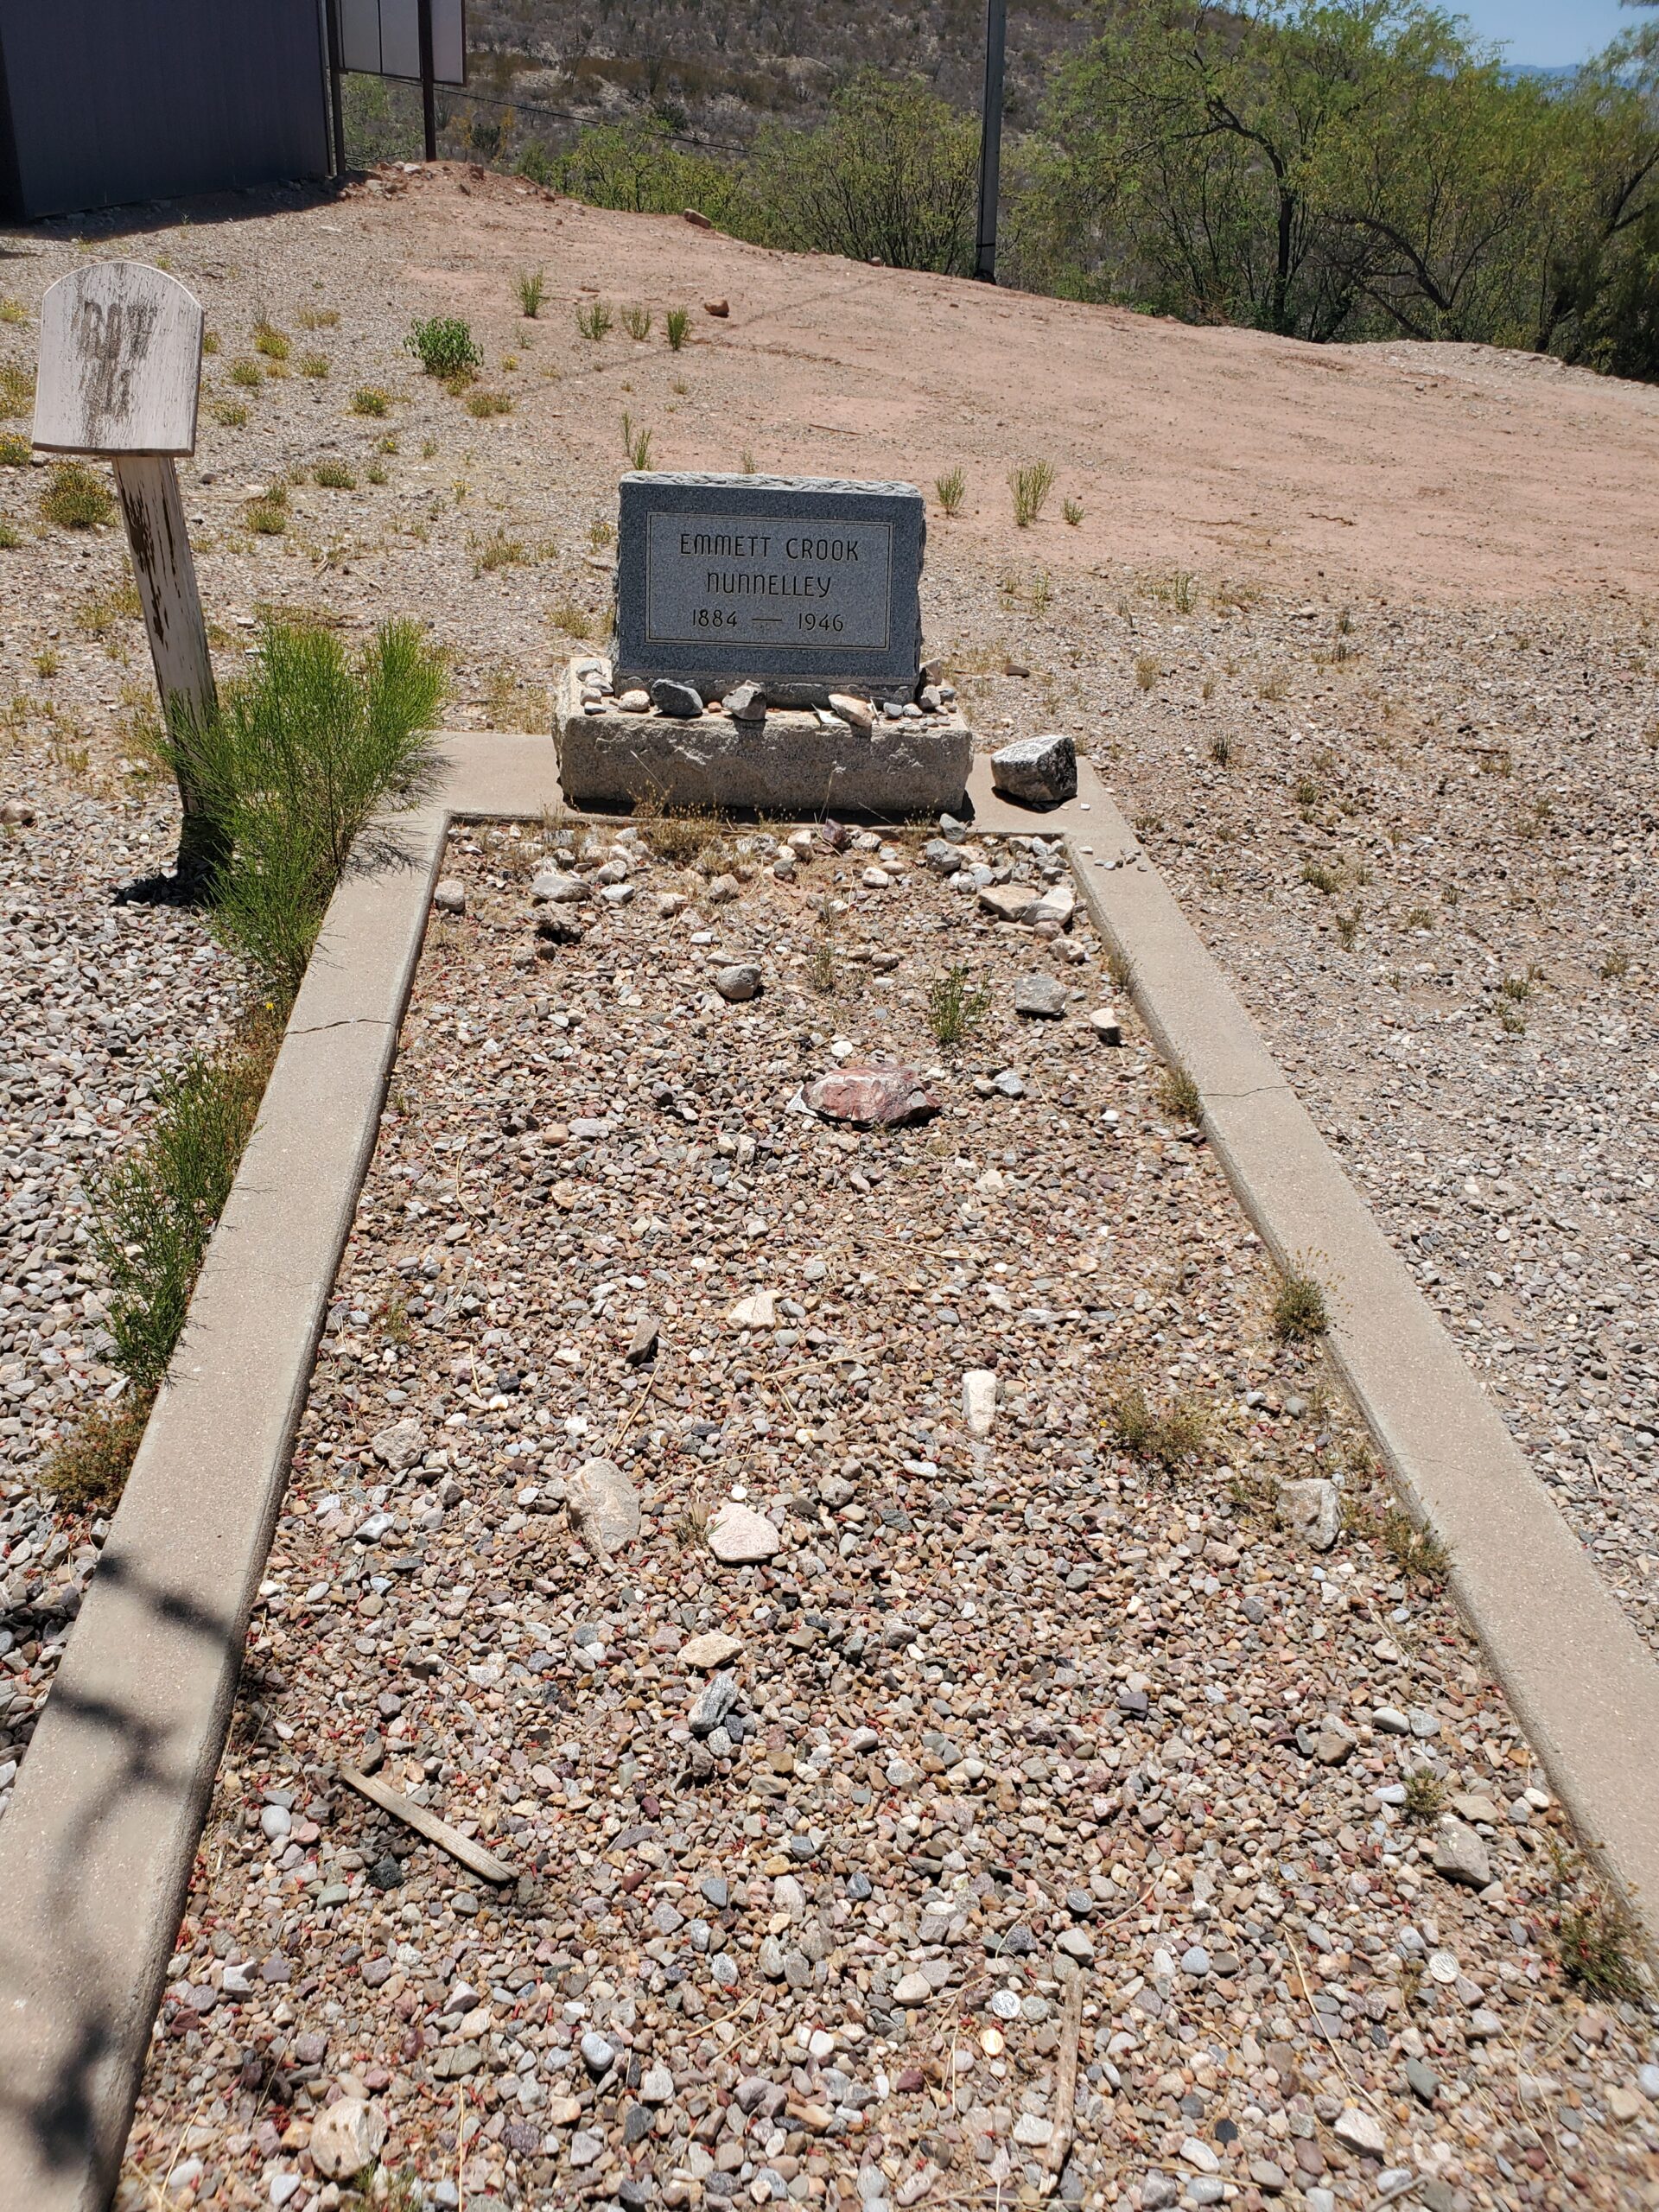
point(100, 998)
point(1012, 1722)
point(1468, 1010)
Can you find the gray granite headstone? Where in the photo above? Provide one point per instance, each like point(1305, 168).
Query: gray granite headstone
point(807, 584)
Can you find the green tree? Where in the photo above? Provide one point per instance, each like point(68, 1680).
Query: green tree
point(1189, 147)
point(892, 177)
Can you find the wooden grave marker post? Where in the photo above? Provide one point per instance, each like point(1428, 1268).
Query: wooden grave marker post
point(120, 372)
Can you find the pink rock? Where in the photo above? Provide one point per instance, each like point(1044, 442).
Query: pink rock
point(872, 1097)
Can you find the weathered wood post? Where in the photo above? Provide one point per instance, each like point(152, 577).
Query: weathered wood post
point(120, 372)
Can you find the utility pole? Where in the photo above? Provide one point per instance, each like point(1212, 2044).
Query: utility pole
point(336, 101)
point(990, 139)
point(429, 87)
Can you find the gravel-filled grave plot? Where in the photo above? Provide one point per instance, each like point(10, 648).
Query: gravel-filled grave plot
point(978, 1701)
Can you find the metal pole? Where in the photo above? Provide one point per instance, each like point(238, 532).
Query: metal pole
point(990, 139)
point(337, 100)
point(428, 92)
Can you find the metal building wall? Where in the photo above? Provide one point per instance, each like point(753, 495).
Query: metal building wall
point(102, 102)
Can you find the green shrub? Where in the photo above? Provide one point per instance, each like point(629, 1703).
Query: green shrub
point(892, 177)
point(10, 537)
point(532, 291)
point(76, 498)
point(154, 1211)
point(594, 322)
point(16, 389)
point(952, 490)
point(269, 341)
point(369, 399)
point(334, 476)
point(677, 323)
point(445, 348)
point(302, 755)
point(14, 449)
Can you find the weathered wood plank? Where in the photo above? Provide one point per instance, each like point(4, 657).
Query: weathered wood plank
point(472, 1855)
point(166, 576)
point(120, 362)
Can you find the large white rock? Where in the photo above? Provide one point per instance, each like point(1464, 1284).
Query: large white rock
point(605, 1507)
point(739, 1535)
point(979, 1400)
point(713, 1649)
point(347, 2137)
point(758, 1311)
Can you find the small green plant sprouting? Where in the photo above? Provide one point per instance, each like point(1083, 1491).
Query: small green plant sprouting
point(10, 537)
point(1179, 1097)
point(636, 320)
point(1595, 1942)
point(1425, 1795)
point(485, 403)
point(76, 498)
point(1182, 591)
point(1299, 1308)
point(334, 476)
point(636, 443)
point(1307, 795)
point(370, 399)
point(230, 414)
point(1072, 511)
point(1348, 929)
point(1416, 1551)
point(821, 969)
point(573, 619)
point(1031, 487)
point(746, 461)
point(13, 311)
point(269, 341)
point(1615, 966)
point(15, 450)
point(1322, 876)
point(376, 472)
point(499, 551)
point(445, 348)
point(1224, 750)
point(1147, 669)
point(601, 534)
point(956, 1005)
point(596, 320)
point(678, 324)
point(313, 364)
point(16, 389)
point(87, 1470)
point(1041, 596)
point(532, 291)
point(1119, 969)
point(248, 374)
point(1273, 688)
point(318, 318)
point(268, 514)
point(1167, 1436)
point(951, 489)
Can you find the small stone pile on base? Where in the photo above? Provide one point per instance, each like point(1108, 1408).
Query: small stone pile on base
point(795, 760)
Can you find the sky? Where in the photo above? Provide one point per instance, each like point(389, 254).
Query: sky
point(1548, 34)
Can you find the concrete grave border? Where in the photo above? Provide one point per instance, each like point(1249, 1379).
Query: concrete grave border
point(99, 1845)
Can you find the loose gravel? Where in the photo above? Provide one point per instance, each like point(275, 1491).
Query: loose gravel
point(1003, 1733)
point(99, 1000)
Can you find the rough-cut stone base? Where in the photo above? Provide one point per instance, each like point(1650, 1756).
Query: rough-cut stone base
point(792, 764)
